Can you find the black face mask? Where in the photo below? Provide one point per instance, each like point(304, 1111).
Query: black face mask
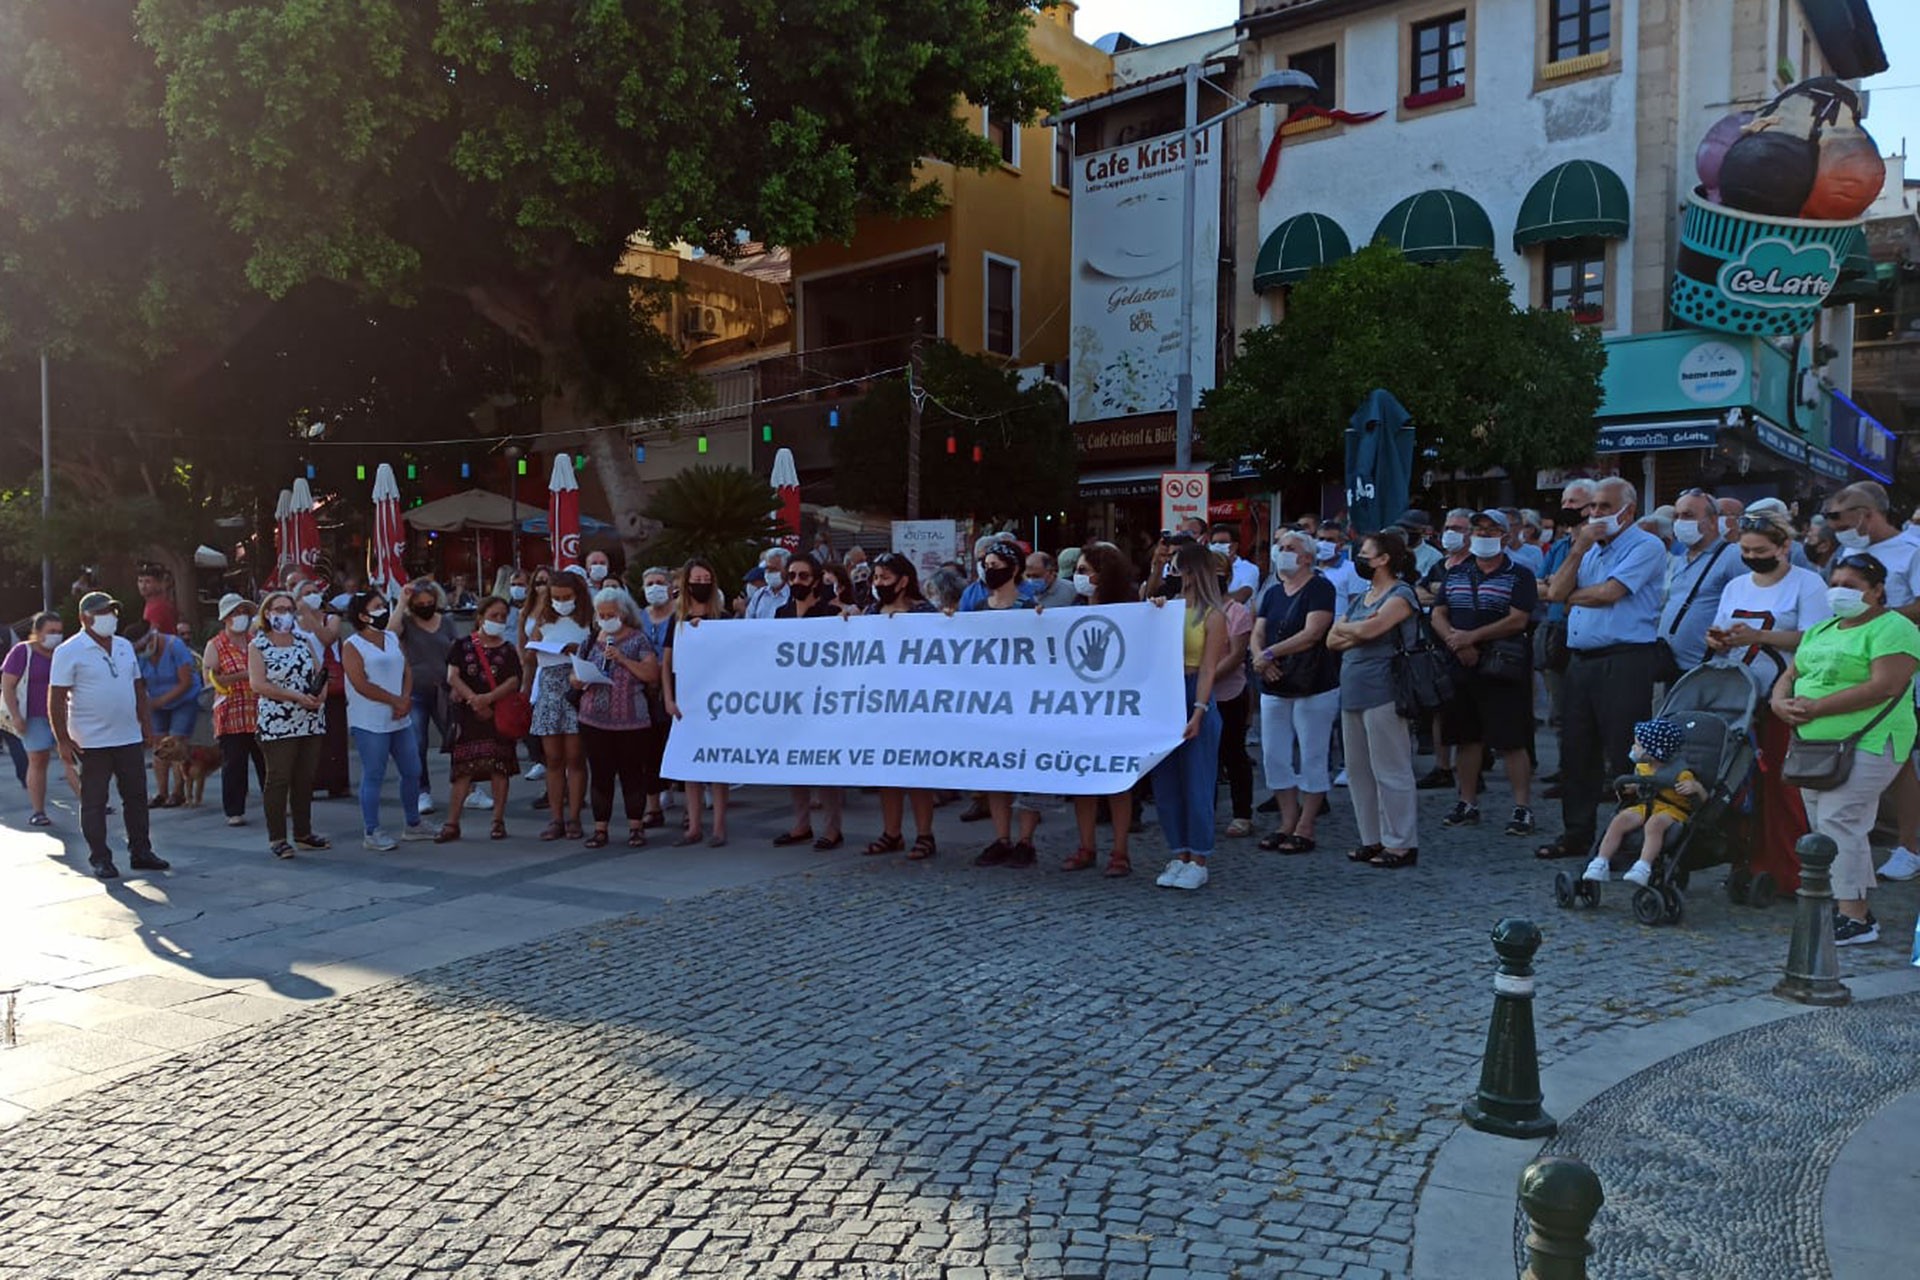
point(1173, 582)
point(1761, 564)
point(886, 592)
point(699, 592)
point(1571, 518)
point(997, 576)
point(423, 610)
point(800, 590)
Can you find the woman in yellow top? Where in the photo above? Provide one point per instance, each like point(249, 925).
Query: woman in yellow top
point(1853, 675)
point(1183, 782)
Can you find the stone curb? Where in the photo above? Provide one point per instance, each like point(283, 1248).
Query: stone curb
point(1463, 1217)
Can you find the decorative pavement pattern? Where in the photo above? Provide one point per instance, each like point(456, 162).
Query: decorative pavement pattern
point(1713, 1162)
point(885, 1070)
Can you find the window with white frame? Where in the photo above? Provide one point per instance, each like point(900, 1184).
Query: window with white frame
point(1004, 134)
point(1002, 322)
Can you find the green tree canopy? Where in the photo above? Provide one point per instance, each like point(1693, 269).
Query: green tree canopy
point(1488, 383)
point(1027, 458)
point(721, 514)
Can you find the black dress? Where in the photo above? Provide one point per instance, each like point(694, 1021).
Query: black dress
point(478, 750)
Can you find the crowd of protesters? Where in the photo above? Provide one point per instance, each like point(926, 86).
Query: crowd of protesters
point(1575, 619)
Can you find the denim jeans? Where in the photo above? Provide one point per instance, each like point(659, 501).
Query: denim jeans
point(1183, 786)
point(375, 750)
point(428, 708)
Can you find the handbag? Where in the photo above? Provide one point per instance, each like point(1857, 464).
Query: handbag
point(1550, 647)
point(1826, 766)
point(513, 714)
point(1505, 661)
point(1422, 674)
point(1300, 670)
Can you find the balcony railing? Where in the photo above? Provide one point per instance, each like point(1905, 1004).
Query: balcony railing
point(833, 371)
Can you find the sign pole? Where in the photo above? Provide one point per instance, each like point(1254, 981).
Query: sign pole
point(1183, 386)
point(46, 485)
point(913, 427)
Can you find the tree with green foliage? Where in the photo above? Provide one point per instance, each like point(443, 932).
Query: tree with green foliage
point(720, 514)
point(1488, 383)
point(1027, 455)
point(504, 151)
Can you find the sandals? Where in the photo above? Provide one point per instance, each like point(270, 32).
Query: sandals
point(499, 831)
point(1118, 865)
point(654, 819)
point(827, 844)
point(636, 838)
point(39, 819)
point(1275, 842)
point(886, 844)
point(688, 838)
point(574, 831)
point(1081, 859)
point(1395, 861)
point(553, 831)
point(598, 840)
point(1366, 853)
point(281, 850)
point(311, 841)
point(786, 838)
point(1558, 849)
point(923, 848)
point(448, 833)
point(1297, 844)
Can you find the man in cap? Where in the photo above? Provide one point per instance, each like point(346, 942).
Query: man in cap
point(1418, 527)
point(97, 704)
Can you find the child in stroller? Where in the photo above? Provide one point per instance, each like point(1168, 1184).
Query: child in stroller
point(1660, 794)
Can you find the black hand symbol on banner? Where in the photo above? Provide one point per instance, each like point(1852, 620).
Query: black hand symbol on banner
point(1093, 649)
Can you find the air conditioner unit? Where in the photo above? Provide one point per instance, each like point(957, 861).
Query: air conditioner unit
point(700, 322)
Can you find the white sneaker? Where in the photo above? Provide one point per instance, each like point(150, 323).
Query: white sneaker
point(379, 841)
point(536, 773)
point(1340, 779)
point(418, 831)
point(1639, 873)
point(426, 803)
point(1902, 865)
point(1192, 876)
point(479, 800)
point(1170, 878)
point(1599, 871)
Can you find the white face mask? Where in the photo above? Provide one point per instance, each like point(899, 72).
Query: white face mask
point(1220, 548)
point(494, 629)
point(280, 621)
point(597, 572)
point(1486, 548)
point(51, 640)
point(657, 593)
point(311, 600)
point(775, 579)
point(1852, 539)
point(1083, 584)
point(1687, 532)
point(609, 624)
point(1326, 551)
point(239, 622)
point(1286, 562)
point(1846, 602)
point(517, 594)
point(104, 625)
point(1452, 540)
point(1606, 526)
point(563, 607)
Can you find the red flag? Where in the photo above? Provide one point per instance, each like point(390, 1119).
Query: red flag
point(1270, 167)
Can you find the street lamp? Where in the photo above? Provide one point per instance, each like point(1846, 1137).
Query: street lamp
point(1286, 88)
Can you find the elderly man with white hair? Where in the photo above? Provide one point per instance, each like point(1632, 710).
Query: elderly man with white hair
point(767, 599)
point(1704, 567)
point(1611, 582)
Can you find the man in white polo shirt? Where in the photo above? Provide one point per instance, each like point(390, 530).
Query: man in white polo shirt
point(97, 703)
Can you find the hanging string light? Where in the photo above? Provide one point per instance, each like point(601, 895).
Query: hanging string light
point(953, 445)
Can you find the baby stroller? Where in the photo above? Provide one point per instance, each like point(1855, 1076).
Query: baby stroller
point(1715, 705)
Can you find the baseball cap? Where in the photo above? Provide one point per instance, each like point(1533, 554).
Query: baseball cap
point(1497, 517)
point(97, 602)
point(1414, 519)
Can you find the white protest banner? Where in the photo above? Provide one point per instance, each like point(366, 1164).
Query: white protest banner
point(928, 543)
point(1078, 701)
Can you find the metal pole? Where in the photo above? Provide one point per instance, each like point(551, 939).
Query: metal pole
point(913, 428)
point(46, 484)
point(1183, 387)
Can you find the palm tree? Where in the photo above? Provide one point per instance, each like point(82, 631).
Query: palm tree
point(721, 514)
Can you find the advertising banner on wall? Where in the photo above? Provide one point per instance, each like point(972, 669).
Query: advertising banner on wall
point(1127, 211)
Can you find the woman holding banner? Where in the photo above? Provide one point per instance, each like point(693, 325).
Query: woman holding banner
point(1103, 575)
point(1184, 781)
point(1000, 566)
point(700, 601)
point(896, 589)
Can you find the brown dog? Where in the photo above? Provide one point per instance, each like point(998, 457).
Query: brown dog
point(194, 765)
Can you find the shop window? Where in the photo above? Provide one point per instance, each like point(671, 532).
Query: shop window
point(1002, 334)
point(1576, 279)
point(1439, 56)
point(1578, 28)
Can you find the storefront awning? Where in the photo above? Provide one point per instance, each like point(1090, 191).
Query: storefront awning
point(1123, 482)
point(1572, 200)
point(1657, 436)
point(1436, 226)
point(1297, 246)
point(1858, 280)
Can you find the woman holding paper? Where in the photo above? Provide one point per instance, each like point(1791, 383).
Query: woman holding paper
point(656, 619)
point(613, 677)
point(1103, 575)
point(555, 634)
point(483, 669)
point(700, 601)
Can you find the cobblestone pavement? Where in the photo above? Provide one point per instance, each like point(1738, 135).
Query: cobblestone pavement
point(899, 1070)
point(1713, 1162)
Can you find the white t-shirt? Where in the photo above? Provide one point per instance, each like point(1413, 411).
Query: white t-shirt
point(386, 668)
point(1245, 574)
point(1794, 603)
point(1346, 585)
point(1901, 556)
point(103, 710)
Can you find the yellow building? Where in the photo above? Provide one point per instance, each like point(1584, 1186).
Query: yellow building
point(989, 273)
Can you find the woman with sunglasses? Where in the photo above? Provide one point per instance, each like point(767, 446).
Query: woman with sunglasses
point(896, 590)
point(1851, 679)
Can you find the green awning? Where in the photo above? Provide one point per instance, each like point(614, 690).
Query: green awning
point(1575, 199)
point(1297, 246)
point(1436, 226)
point(1858, 279)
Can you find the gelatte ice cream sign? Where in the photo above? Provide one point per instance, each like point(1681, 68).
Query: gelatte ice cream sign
point(1780, 188)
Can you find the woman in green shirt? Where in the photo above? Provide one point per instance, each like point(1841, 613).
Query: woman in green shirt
point(1848, 670)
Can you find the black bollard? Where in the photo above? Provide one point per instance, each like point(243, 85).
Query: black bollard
point(1813, 962)
point(1560, 1196)
point(1508, 1101)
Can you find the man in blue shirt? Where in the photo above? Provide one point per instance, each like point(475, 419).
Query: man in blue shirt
point(1612, 582)
point(1574, 501)
point(1709, 562)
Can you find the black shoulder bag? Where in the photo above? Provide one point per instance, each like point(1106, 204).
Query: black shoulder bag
point(1300, 670)
point(1666, 666)
point(1422, 672)
point(1826, 766)
point(1506, 660)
